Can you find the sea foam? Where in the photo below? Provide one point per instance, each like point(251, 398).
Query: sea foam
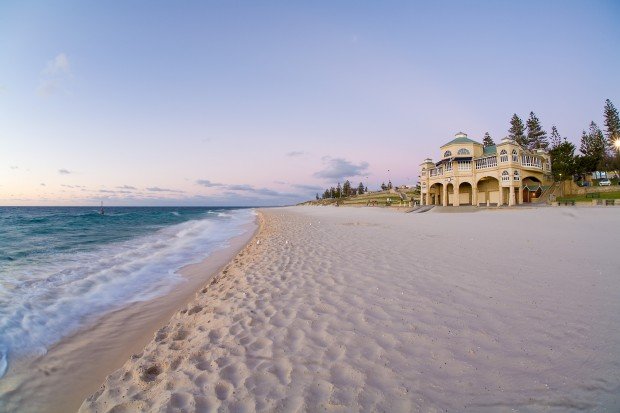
point(43, 304)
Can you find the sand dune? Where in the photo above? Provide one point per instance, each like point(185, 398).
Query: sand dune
point(344, 309)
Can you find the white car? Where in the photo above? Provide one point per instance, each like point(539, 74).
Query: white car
point(604, 182)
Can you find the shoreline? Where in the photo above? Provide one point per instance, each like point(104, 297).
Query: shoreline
point(107, 343)
point(364, 310)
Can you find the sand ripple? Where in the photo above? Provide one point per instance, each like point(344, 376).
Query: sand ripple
point(395, 313)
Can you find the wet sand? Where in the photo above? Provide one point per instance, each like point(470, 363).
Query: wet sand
point(58, 381)
point(363, 309)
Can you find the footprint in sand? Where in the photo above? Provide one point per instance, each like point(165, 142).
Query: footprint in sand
point(223, 390)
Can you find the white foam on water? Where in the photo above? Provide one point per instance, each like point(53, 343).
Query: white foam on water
point(40, 306)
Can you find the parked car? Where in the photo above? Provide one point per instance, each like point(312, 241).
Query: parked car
point(604, 182)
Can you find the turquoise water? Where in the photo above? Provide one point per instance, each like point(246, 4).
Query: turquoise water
point(63, 267)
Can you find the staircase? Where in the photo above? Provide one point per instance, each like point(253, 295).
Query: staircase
point(552, 190)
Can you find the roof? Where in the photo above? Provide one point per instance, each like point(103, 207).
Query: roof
point(488, 150)
point(535, 187)
point(461, 140)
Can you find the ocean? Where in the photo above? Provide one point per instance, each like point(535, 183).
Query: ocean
point(62, 268)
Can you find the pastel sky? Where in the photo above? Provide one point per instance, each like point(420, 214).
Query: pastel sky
point(267, 103)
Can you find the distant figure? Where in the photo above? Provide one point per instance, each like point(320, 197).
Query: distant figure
point(101, 211)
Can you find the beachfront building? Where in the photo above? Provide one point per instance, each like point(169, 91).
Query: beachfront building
point(472, 174)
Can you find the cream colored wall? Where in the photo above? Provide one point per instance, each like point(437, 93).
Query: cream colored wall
point(484, 191)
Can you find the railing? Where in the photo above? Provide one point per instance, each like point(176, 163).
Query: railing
point(531, 161)
point(488, 162)
point(464, 166)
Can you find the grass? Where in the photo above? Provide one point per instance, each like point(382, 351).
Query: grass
point(379, 197)
point(582, 198)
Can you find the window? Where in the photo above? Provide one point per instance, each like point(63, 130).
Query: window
point(503, 156)
point(515, 156)
point(464, 165)
point(448, 166)
point(516, 176)
point(505, 176)
point(463, 151)
point(447, 154)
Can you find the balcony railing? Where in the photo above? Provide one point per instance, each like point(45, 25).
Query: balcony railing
point(531, 161)
point(488, 162)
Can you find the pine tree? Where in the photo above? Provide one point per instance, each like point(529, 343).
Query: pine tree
point(360, 189)
point(592, 147)
point(338, 191)
point(389, 185)
point(365, 189)
point(536, 137)
point(487, 140)
point(517, 130)
point(556, 139)
point(383, 186)
point(346, 188)
point(612, 124)
point(563, 161)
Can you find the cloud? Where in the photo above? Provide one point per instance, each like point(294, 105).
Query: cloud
point(308, 187)
point(280, 182)
point(338, 169)
point(57, 66)
point(64, 171)
point(231, 190)
point(295, 153)
point(128, 187)
point(14, 167)
point(240, 187)
point(207, 183)
point(158, 189)
point(54, 75)
point(42, 184)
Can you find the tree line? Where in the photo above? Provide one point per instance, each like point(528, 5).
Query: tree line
point(343, 191)
point(598, 149)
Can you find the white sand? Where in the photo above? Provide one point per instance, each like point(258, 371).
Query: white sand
point(362, 309)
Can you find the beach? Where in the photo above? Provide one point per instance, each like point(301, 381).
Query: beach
point(58, 378)
point(366, 309)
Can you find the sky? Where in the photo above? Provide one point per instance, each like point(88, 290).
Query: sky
point(267, 103)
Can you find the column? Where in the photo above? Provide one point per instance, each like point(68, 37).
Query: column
point(444, 195)
point(456, 201)
point(511, 195)
point(474, 195)
point(428, 196)
point(520, 194)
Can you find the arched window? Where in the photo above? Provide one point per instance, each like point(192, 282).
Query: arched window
point(505, 176)
point(516, 176)
point(503, 156)
point(515, 156)
point(447, 154)
point(463, 151)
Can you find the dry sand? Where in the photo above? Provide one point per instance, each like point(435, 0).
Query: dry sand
point(362, 309)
